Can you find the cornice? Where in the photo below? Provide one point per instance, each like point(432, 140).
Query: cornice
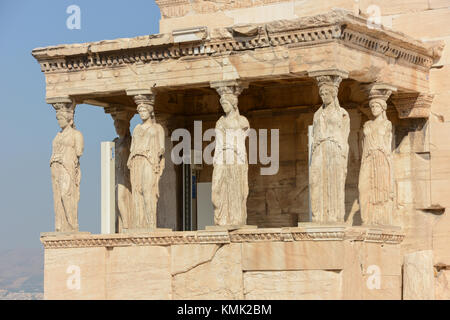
point(336, 26)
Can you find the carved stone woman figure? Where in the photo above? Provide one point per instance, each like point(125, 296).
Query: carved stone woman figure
point(230, 174)
point(328, 171)
point(123, 183)
point(146, 164)
point(67, 149)
point(376, 175)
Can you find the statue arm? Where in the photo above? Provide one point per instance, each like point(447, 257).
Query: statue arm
point(362, 139)
point(132, 146)
point(161, 141)
point(245, 125)
point(79, 144)
point(388, 137)
point(315, 132)
point(131, 154)
point(159, 161)
point(346, 132)
point(218, 150)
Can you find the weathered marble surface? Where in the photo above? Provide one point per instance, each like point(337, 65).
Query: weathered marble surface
point(376, 178)
point(292, 285)
point(418, 276)
point(146, 164)
point(328, 169)
point(67, 149)
point(230, 174)
point(322, 262)
point(132, 275)
point(217, 277)
point(124, 201)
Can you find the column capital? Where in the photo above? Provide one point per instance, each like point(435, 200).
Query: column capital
point(136, 92)
point(120, 112)
point(142, 96)
point(62, 104)
point(378, 90)
point(329, 77)
point(62, 99)
point(330, 73)
point(229, 86)
point(375, 91)
point(144, 100)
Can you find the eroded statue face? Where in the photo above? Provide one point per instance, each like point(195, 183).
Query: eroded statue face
point(63, 121)
point(228, 102)
point(145, 113)
point(327, 94)
point(121, 127)
point(376, 108)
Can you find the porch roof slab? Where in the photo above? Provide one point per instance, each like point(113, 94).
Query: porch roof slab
point(337, 40)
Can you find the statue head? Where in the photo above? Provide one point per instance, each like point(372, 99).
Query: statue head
point(146, 111)
point(328, 88)
point(145, 104)
point(378, 107)
point(64, 114)
point(229, 102)
point(122, 122)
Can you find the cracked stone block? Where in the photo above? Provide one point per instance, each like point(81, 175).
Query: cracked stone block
point(301, 284)
point(208, 277)
point(187, 257)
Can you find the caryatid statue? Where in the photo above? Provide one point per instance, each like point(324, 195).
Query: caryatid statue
point(146, 164)
point(122, 116)
point(230, 173)
point(376, 179)
point(67, 149)
point(328, 170)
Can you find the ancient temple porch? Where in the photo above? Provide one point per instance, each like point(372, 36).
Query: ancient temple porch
point(277, 65)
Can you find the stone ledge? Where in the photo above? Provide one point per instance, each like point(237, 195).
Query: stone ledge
point(304, 233)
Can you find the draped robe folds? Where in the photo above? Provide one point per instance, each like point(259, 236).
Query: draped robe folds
point(328, 169)
point(123, 183)
point(67, 146)
point(376, 175)
point(146, 166)
point(230, 174)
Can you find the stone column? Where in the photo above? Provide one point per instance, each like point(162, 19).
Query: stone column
point(146, 163)
point(329, 151)
point(122, 116)
point(67, 149)
point(376, 178)
point(230, 173)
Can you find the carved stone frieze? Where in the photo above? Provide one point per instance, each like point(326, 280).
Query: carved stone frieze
point(319, 233)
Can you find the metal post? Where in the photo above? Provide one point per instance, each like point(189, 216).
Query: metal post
point(108, 203)
point(310, 143)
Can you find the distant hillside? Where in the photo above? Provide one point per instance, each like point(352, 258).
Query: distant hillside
point(21, 274)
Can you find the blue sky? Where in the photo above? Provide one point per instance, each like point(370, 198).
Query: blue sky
point(28, 124)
